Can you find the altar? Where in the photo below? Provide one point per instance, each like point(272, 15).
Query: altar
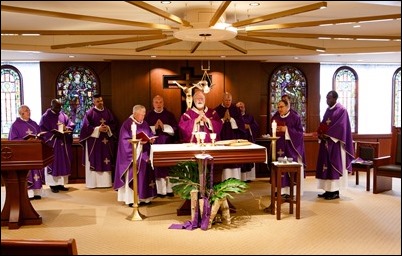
point(172, 154)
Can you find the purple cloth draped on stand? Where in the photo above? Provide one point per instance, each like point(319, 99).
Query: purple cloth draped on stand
point(200, 221)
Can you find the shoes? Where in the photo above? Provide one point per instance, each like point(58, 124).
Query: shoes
point(160, 195)
point(37, 197)
point(170, 194)
point(139, 204)
point(323, 195)
point(62, 188)
point(332, 195)
point(130, 205)
point(54, 189)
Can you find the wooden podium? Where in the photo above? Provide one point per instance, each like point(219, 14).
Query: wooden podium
point(17, 158)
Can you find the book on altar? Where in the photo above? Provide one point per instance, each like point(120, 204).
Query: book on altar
point(143, 136)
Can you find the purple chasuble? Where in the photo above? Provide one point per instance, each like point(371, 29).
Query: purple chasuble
point(19, 129)
point(145, 175)
point(166, 117)
point(187, 125)
point(227, 133)
point(62, 146)
point(335, 124)
point(294, 147)
point(101, 150)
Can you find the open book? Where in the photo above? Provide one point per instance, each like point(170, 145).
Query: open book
point(55, 131)
point(33, 136)
point(143, 136)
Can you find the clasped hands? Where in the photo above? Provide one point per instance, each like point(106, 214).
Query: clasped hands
point(159, 125)
point(226, 117)
point(104, 128)
point(201, 118)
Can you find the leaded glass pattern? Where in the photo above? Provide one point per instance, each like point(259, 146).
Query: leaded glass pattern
point(11, 97)
point(75, 87)
point(345, 84)
point(397, 97)
point(291, 81)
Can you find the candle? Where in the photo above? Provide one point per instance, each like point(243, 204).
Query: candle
point(134, 130)
point(274, 128)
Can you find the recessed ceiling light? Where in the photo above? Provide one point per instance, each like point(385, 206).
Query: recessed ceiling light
point(254, 4)
point(153, 56)
point(71, 56)
point(166, 2)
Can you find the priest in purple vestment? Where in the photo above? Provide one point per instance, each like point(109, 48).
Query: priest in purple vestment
point(123, 178)
point(252, 132)
point(22, 128)
point(336, 150)
point(199, 118)
point(98, 137)
point(164, 125)
point(290, 143)
point(233, 127)
point(58, 134)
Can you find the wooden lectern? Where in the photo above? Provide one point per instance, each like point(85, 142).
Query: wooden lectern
point(17, 158)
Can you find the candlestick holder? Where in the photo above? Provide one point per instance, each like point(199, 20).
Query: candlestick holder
point(136, 215)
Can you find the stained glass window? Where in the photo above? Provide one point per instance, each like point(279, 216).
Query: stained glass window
point(345, 84)
point(11, 97)
point(396, 92)
point(75, 87)
point(291, 81)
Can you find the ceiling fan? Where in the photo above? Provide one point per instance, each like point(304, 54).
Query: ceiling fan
point(211, 28)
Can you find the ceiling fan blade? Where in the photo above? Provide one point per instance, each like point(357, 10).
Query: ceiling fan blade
point(233, 46)
point(219, 13)
point(282, 14)
point(82, 17)
point(81, 32)
point(323, 22)
point(322, 36)
point(111, 41)
point(267, 41)
point(160, 12)
point(195, 46)
point(163, 43)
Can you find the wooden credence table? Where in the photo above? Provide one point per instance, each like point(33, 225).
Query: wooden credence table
point(277, 171)
point(172, 154)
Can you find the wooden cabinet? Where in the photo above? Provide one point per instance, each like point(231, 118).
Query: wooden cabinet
point(77, 168)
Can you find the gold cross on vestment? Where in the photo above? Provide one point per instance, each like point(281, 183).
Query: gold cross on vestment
point(103, 121)
point(328, 121)
point(152, 184)
point(36, 177)
point(105, 141)
point(280, 152)
point(28, 131)
point(324, 168)
point(106, 161)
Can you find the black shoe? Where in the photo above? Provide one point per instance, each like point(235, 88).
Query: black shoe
point(62, 188)
point(37, 197)
point(170, 194)
point(31, 198)
point(160, 195)
point(54, 189)
point(130, 205)
point(325, 194)
point(332, 195)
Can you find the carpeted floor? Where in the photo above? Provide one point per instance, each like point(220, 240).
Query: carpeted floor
point(358, 223)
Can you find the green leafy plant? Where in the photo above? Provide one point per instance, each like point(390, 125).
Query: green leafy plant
point(185, 177)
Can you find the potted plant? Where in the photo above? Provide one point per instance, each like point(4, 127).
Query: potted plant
point(185, 181)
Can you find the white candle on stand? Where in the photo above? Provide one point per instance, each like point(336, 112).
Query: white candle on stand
point(134, 130)
point(274, 128)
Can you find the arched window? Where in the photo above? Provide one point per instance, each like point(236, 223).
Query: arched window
point(11, 97)
point(291, 81)
point(345, 83)
point(396, 98)
point(75, 87)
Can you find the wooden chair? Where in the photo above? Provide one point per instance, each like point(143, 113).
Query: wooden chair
point(388, 167)
point(365, 152)
point(38, 247)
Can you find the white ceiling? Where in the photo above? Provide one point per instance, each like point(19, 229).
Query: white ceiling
point(38, 48)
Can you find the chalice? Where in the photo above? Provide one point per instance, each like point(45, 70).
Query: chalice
point(202, 137)
point(213, 138)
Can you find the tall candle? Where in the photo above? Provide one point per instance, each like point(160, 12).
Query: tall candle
point(274, 128)
point(134, 130)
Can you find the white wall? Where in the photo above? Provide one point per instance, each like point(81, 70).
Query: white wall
point(30, 72)
point(375, 94)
